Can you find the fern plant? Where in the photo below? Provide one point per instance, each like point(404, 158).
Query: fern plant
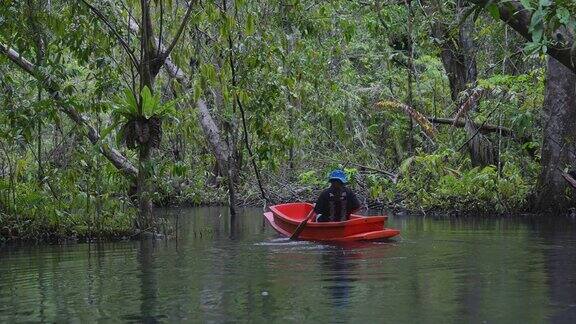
point(141, 122)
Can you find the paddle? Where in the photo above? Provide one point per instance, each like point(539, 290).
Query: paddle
point(300, 227)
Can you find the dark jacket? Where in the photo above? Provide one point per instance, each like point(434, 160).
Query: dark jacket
point(336, 205)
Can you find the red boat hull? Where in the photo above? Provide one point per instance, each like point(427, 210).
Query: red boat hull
point(285, 218)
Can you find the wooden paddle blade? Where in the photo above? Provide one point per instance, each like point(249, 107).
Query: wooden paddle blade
point(300, 227)
point(298, 230)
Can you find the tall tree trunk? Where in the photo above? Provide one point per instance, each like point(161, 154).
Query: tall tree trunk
point(467, 46)
point(457, 53)
point(148, 50)
point(451, 60)
point(229, 131)
point(148, 73)
point(459, 60)
point(559, 138)
point(40, 41)
point(146, 219)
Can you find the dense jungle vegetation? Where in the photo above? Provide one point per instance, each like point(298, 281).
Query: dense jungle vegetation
point(111, 107)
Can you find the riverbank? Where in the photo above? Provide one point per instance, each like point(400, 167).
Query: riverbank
point(120, 227)
point(38, 216)
point(78, 233)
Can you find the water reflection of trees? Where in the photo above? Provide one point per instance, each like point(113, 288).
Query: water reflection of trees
point(148, 282)
point(558, 241)
point(338, 274)
point(444, 270)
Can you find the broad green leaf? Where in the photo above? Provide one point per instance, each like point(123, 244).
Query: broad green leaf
point(167, 109)
point(230, 22)
point(148, 102)
point(243, 96)
point(526, 4)
point(109, 130)
point(212, 12)
point(208, 72)
point(536, 26)
point(537, 17)
point(120, 136)
point(197, 90)
point(250, 24)
point(532, 47)
point(494, 11)
point(563, 15)
point(537, 34)
point(130, 101)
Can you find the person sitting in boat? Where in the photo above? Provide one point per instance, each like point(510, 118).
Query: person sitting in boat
point(336, 203)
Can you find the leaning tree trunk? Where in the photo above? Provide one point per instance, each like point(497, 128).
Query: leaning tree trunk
point(220, 149)
point(559, 138)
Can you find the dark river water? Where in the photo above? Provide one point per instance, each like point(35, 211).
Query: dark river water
point(440, 270)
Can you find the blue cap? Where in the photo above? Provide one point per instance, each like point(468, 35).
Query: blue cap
point(338, 175)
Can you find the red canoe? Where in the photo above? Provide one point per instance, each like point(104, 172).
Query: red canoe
point(285, 218)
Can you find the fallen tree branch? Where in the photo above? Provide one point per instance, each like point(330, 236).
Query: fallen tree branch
point(486, 128)
point(390, 175)
point(470, 102)
point(568, 176)
point(415, 115)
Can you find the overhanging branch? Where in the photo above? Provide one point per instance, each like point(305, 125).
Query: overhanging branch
point(513, 13)
point(117, 159)
point(15, 57)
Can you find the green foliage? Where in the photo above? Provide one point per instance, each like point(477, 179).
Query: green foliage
point(309, 178)
point(546, 18)
point(380, 188)
point(351, 174)
point(81, 205)
point(127, 107)
point(302, 76)
point(437, 182)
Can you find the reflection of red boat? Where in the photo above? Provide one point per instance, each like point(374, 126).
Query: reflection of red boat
point(285, 218)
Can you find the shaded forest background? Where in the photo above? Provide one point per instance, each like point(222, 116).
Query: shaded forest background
point(109, 108)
